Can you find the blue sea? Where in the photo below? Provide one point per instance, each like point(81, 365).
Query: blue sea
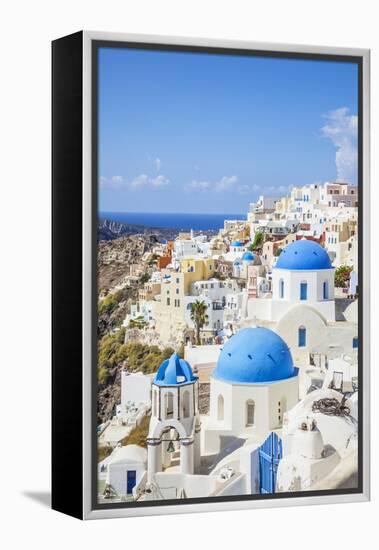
point(184, 222)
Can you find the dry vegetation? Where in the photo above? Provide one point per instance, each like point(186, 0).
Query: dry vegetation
point(138, 434)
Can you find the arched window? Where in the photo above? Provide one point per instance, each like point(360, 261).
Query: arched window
point(325, 290)
point(220, 407)
point(355, 342)
point(250, 413)
point(303, 290)
point(186, 404)
point(302, 337)
point(281, 288)
point(169, 405)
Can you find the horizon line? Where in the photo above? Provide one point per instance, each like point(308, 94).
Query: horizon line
point(155, 212)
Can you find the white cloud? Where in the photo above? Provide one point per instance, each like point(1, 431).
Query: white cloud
point(197, 185)
point(158, 164)
point(112, 181)
point(244, 189)
point(160, 181)
point(139, 182)
point(342, 129)
point(226, 183)
point(143, 180)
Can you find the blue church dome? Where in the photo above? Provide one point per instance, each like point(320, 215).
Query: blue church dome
point(173, 372)
point(236, 243)
point(248, 257)
point(305, 255)
point(255, 355)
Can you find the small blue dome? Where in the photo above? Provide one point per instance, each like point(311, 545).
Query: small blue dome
point(305, 255)
point(248, 257)
point(173, 372)
point(255, 355)
point(236, 243)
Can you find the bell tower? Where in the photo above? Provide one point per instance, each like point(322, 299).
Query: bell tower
point(174, 431)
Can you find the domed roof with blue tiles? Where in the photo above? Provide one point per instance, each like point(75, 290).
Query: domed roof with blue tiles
point(236, 243)
point(248, 256)
point(305, 255)
point(173, 372)
point(255, 355)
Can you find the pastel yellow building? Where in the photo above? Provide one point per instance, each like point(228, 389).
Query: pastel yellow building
point(170, 307)
point(196, 269)
point(282, 206)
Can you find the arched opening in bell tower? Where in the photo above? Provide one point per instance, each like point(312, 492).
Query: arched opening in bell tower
point(170, 448)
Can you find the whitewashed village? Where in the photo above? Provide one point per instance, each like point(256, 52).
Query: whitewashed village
point(260, 392)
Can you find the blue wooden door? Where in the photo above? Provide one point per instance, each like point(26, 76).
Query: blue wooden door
point(270, 454)
point(131, 476)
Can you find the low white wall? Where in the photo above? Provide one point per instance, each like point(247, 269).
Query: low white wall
point(235, 486)
point(298, 474)
point(135, 387)
point(193, 485)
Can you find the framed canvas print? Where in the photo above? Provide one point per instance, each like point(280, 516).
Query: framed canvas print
point(210, 275)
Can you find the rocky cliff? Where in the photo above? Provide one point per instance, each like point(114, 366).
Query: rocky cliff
point(115, 257)
point(109, 396)
point(108, 230)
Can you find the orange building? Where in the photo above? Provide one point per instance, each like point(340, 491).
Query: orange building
point(164, 260)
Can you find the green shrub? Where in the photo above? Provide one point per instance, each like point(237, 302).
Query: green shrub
point(145, 277)
point(110, 303)
point(140, 357)
point(102, 375)
point(138, 322)
point(342, 276)
point(258, 240)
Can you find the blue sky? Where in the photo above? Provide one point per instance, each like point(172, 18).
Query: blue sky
point(191, 132)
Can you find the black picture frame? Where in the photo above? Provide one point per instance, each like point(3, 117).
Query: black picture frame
point(70, 55)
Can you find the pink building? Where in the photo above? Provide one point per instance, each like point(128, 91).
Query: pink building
point(336, 193)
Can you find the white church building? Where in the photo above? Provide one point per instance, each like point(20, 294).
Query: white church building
point(253, 385)
point(302, 308)
point(303, 275)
